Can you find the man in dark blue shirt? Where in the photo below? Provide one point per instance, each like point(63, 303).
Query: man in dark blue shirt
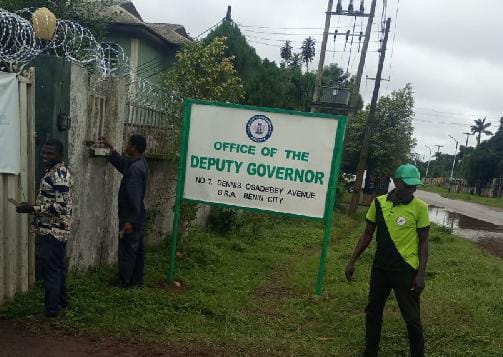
point(132, 189)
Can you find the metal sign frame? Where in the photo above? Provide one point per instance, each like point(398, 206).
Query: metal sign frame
point(331, 190)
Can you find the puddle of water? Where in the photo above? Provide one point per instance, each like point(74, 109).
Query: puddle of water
point(488, 235)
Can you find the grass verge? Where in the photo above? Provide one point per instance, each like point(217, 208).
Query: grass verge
point(486, 201)
point(251, 293)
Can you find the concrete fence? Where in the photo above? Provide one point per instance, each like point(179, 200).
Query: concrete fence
point(76, 108)
point(493, 190)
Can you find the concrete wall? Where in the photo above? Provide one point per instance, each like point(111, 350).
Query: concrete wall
point(93, 241)
point(95, 227)
point(160, 200)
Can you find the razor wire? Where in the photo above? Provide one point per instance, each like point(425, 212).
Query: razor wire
point(19, 45)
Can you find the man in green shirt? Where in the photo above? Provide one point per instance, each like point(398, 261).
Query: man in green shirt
point(402, 225)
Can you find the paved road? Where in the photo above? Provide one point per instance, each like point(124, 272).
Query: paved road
point(474, 210)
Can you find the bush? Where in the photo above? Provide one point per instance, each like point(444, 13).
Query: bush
point(222, 220)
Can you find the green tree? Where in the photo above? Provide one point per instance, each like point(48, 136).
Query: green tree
point(480, 127)
point(480, 166)
point(203, 71)
point(308, 51)
point(296, 61)
point(265, 83)
point(334, 75)
point(392, 133)
point(441, 166)
point(286, 52)
point(245, 58)
point(485, 162)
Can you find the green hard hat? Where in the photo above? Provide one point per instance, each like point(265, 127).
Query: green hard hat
point(409, 174)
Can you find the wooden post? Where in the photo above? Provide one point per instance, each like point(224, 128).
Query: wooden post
point(362, 164)
point(321, 63)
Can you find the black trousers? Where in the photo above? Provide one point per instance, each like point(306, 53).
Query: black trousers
point(132, 258)
point(381, 283)
point(52, 253)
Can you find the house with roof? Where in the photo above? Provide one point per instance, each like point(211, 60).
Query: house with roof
point(150, 47)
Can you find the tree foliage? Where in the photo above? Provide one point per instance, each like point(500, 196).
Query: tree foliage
point(203, 71)
point(245, 58)
point(480, 166)
point(484, 163)
point(267, 84)
point(286, 52)
point(392, 133)
point(308, 51)
point(480, 127)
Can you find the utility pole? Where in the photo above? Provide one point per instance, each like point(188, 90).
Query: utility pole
point(362, 164)
point(321, 63)
point(437, 153)
point(429, 159)
point(228, 16)
point(363, 54)
point(467, 136)
point(455, 153)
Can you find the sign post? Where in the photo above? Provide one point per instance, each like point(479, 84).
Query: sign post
point(260, 159)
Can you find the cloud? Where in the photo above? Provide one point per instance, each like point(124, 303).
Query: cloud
point(451, 51)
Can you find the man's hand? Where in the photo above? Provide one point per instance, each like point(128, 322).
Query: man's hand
point(106, 142)
point(25, 207)
point(418, 283)
point(128, 228)
point(350, 270)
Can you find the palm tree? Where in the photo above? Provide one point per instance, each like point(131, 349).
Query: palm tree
point(295, 61)
point(479, 128)
point(308, 51)
point(286, 52)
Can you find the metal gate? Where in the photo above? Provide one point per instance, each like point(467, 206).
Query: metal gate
point(17, 243)
point(157, 126)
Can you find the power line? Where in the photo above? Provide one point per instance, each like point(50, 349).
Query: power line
point(289, 33)
point(346, 51)
point(283, 40)
point(264, 43)
point(438, 113)
point(288, 28)
point(393, 43)
point(284, 33)
point(280, 46)
point(443, 122)
point(209, 29)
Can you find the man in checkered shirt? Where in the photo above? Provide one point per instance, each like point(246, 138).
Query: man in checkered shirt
point(53, 218)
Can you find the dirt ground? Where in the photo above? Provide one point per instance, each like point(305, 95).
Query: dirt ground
point(34, 341)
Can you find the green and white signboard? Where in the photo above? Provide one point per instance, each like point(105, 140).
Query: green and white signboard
point(262, 159)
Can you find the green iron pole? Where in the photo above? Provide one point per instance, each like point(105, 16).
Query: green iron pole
point(329, 210)
point(179, 189)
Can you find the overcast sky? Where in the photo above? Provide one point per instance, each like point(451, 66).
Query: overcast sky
point(450, 50)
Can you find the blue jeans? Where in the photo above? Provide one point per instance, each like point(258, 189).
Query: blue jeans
point(52, 253)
